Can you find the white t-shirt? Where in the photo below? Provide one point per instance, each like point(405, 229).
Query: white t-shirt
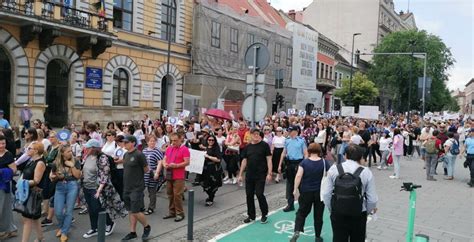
point(450, 143)
point(278, 142)
point(385, 143)
point(109, 148)
point(356, 139)
point(220, 141)
point(321, 138)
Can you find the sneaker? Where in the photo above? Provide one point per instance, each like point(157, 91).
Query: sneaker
point(83, 211)
point(234, 181)
point(295, 237)
point(431, 179)
point(379, 168)
point(288, 209)
point(146, 232)
point(225, 179)
point(248, 220)
point(109, 229)
point(209, 203)
point(385, 168)
point(179, 218)
point(130, 236)
point(73, 220)
point(91, 233)
point(229, 181)
point(470, 184)
point(46, 222)
point(264, 220)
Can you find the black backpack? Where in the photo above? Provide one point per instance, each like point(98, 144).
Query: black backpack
point(347, 195)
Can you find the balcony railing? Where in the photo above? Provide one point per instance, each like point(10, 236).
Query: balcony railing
point(57, 12)
point(327, 82)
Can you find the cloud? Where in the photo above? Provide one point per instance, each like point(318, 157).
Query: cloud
point(459, 77)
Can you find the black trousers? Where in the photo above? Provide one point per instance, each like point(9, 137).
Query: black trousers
point(470, 163)
point(348, 228)
point(291, 169)
point(306, 201)
point(255, 187)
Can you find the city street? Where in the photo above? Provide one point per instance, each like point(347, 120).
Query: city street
point(444, 212)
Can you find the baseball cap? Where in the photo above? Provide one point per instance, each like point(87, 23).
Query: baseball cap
point(293, 128)
point(130, 138)
point(180, 123)
point(92, 143)
point(279, 129)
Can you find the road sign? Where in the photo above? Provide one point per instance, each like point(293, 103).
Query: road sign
point(263, 57)
point(259, 88)
point(260, 108)
point(260, 79)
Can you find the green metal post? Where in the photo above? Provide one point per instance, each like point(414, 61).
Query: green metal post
point(411, 216)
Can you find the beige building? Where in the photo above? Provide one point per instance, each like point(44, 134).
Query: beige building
point(340, 19)
point(93, 60)
point(469, 97)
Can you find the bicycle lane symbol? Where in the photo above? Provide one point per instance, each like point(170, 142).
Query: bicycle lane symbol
point(287, 227)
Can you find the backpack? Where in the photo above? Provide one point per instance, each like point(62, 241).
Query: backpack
point(431, 146)
point(454, 148)
point(347, 195)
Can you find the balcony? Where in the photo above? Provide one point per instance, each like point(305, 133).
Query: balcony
point(325, 85)
point(47, 20)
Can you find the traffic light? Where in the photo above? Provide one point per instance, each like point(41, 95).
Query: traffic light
point(357, 56)
point(280, 100)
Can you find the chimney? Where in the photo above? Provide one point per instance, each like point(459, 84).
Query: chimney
point(401, 12)
point(292, 14)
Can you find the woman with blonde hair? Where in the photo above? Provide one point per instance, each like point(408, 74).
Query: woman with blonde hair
point(232, 143)
point(32, 172)
point(66, 172)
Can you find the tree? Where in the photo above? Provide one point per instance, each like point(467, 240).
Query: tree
point(392, 73)
point(363, 89)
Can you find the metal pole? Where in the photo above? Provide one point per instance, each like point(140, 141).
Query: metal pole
point(101, 227)
point(409, 88)
point(424, 86)
point(254, 74)
point(352, 68)
point(168, 30)
point(190, 215)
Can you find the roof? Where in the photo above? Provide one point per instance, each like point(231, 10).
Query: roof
point(405, 16)
point(255, 8)
point(471, 81)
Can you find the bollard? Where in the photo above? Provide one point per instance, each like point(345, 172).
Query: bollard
point(190, 214)
point(101, 227)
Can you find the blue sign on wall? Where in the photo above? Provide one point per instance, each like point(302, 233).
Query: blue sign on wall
point(93, 78)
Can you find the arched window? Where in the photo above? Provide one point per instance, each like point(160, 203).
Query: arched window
point(120, 88)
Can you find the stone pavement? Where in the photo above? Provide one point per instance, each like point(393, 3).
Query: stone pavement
point(444, 210)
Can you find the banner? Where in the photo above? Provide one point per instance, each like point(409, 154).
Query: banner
point(304, 97)
point(347, 111)
point(196, 164)
point(369, 112)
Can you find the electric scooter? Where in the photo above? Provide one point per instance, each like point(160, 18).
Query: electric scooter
point(410, 187)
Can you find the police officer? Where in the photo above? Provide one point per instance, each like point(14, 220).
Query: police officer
point(468, 148)
point(294, 152)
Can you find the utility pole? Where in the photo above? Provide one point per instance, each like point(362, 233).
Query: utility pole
point(352, 66)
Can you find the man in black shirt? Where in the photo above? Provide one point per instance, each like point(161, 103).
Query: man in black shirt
point(258, 158)
point(134, 168)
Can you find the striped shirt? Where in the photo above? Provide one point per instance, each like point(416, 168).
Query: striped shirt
point(152, 157)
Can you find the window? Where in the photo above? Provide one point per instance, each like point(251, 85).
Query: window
point(123, 14)
point(120, 88)
point(234, 40)
point(250, 39)
point(277, 52)
point(168, 20)
point(330, 72)
point(265, 42)
point(289, 56)
point(216, 34)
point(318, 72)
point(326, 73)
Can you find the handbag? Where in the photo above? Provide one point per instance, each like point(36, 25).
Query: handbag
point(32, 206)
point(323, 188)
point(390, 159)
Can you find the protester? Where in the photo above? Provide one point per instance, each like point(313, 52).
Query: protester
point(50, 186)
point(432, 145)
point(65, 173)
point(451, 150)
point(134, 165)
point(232, 144)
point(7, 170)
point(119, 152)
point(176, 159)
point(293, 153)
point(468, 149)
point(397, 153)
point(153, 157)
point(212, 172)
point(4, 124)
point(349, 211)
point(307, 190)
point(384, 147)
point(278, 144)
point(256, 157)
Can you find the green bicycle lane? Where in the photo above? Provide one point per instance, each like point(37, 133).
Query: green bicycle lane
point(280, 227)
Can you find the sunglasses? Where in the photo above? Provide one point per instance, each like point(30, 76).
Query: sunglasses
point(211, 140)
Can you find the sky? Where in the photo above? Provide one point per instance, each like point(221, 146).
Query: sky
point(451, 20)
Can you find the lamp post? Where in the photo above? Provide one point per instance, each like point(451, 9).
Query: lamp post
point(352, 66)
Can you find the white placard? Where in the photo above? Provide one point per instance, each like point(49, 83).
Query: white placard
point(165, 113)
point(305, 48)
point(314, 113)
point(347, 111)
point(196, 164)
point(369, 112)
point(173, 120)
point(302, 113)
point(147, 91)
point(291, 111)
point(282, 114)
point(197, 127)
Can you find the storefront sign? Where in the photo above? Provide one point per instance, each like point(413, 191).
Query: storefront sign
point(93, 78)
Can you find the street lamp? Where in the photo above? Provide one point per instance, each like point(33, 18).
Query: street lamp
point(352, 66)
point(423, 97)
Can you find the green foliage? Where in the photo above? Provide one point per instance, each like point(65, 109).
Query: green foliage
point(363, 89)
point(392, 73)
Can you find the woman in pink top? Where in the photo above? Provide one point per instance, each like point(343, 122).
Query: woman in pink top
point(397, 152)
point(175, 161)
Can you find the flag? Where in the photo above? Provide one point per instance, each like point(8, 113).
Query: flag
point(102, 8)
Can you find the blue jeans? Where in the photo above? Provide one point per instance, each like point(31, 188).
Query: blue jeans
point(64, 199)
point(450, 160)
point(94, 207)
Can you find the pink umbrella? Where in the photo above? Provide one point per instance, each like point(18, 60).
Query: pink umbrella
point(218, 113)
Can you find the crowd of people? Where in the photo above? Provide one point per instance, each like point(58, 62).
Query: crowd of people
point(96, 169)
